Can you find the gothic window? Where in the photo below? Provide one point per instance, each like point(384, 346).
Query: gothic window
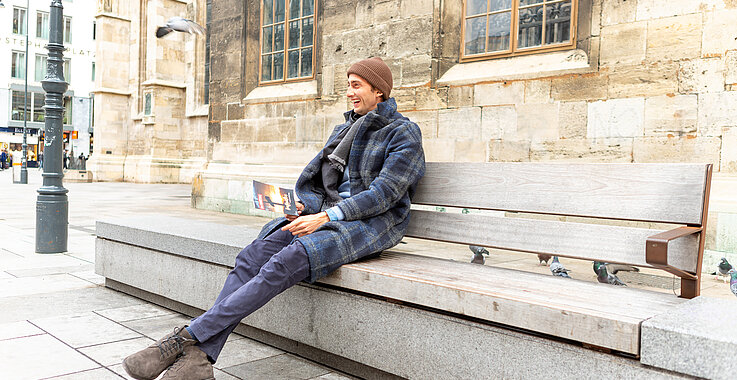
point(287, 40)
point(147, 104)
point(500, 28)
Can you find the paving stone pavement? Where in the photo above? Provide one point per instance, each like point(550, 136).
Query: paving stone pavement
point(58, 321)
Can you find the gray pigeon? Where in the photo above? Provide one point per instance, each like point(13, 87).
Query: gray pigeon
point(606, 278)
point(478, 254)
point(558, 269)
point(723, 269)
point(179, 24)
point(733, 281)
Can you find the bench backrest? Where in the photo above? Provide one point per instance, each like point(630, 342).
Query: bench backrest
point(661, 193)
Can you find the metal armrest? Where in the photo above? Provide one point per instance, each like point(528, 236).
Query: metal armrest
point(656, 250)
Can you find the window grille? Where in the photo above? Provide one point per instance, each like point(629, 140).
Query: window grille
point(287, 40)
point(499, 28)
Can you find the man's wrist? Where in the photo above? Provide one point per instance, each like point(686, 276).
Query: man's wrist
point(335, 213)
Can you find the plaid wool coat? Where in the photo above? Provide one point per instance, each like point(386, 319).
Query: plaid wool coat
point(385, 163)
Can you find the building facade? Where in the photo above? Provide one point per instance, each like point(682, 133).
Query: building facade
point(626, 81)
point(150, 95)
point(79, 72)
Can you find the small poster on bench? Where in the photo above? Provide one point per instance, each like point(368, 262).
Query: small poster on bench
point(274, 198)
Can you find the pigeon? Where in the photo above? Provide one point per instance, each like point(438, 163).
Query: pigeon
point(180, 25)
point(723, 269)
point(615, 268)
point(733, 281)
point(604, 277)
point(478, 254)
point(558, 269)
point(543, 258)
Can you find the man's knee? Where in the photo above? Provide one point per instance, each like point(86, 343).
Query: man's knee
point(292, 262)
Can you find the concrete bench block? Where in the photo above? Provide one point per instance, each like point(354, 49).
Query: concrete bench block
point(78, 176)
point(698, 337)
point(210, 242)
point(402, 340)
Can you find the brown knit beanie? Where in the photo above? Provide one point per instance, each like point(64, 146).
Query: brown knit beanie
point(376, 72)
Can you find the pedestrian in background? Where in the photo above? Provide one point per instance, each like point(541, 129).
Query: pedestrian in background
point(3, 158)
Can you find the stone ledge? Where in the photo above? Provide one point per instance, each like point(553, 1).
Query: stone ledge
point(112, 15)
point(106, 90)
point(698, 337)
point(282, 92)
point(522, 67)
point(164, 83)
point(216, 243)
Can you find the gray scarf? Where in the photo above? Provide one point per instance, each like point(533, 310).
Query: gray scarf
point(335, 159)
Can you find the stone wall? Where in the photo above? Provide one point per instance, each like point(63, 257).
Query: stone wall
point(169, 144)
point(656, 84)
point(648, 81)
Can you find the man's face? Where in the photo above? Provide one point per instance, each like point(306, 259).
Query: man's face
point(363, 96)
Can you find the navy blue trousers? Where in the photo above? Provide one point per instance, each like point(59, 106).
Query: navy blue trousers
point(262, 270)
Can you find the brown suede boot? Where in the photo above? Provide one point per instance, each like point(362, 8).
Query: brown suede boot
point(154, 359)
point(191, 365)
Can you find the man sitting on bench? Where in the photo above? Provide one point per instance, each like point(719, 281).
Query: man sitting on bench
point(355, 202)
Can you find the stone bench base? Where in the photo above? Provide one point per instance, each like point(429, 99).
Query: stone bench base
point(381, 336)
point(77, 176)
point(369, 336)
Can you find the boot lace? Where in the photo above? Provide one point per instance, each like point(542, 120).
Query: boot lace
point(172, 344)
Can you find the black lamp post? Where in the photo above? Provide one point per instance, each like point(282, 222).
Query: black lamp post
point(52, 205)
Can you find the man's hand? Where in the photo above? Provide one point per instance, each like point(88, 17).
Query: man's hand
point(300, 207)
point(305, 225)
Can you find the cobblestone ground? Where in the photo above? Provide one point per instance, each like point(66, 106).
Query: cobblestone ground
point(57, 320)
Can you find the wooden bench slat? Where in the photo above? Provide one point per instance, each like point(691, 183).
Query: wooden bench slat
point(671, 193)
point(528, 285)
point(613, 244)
point(610, 317)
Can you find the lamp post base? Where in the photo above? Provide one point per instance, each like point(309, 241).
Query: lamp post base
point(51, 223)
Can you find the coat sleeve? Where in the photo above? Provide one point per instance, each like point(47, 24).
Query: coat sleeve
point(403, 167)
